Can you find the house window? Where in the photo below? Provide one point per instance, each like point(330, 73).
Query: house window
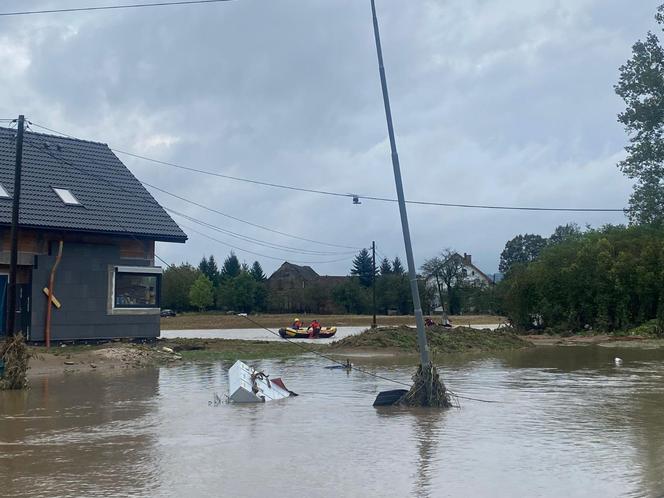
point(136, 287)
point(66, 196)
point(3, 192)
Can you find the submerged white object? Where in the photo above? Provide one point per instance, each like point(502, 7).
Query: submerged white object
point(246, 385)
point(617, 361)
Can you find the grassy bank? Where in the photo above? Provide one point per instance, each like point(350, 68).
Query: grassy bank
point(441, 340)
point(189, 321)
point(232, 349)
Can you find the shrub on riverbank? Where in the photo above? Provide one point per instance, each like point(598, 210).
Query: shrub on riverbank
point(441, 340)
point(605, 280)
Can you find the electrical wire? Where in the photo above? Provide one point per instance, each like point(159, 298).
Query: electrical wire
point(361, 370)
point(369, 197)
point(359, 196)
point(235, 218)
point(318, 353)
point(118, 221)
point(176, 196)
point(251, 239)
point(228, 244)
point(109, 182)
point(110, 7)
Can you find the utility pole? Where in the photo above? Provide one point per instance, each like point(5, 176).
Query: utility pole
point(373, 282)
point(412, 276)
point(13, 258)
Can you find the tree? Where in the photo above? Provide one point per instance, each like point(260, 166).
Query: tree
point(641, 86)
point(231, 267)
point(521, 249)
point(608, 279)
point(244, 292)
point(201, 294)
point(257, 272)
point(446, 271)
point(363, 268)
point(385, 267)
point(351, 296)
point(563, 233)
point(175, 285)
point(397, 267)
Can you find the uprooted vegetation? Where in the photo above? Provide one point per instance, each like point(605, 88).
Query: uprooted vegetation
point(14, 354)
point(441, 340)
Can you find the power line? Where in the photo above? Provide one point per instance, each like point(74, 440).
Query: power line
point(110, 7)
point(257, 253)
point(366, 197)
point(351, 195)
point(245, 221)
point(109, 182)
point(62, 161)
point(235, 218)
point(361, 370)
point(253, 240)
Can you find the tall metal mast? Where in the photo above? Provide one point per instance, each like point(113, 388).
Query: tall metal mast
point(412, 276)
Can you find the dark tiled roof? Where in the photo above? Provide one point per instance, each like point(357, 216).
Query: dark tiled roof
point(289, 269)
point(112, 200)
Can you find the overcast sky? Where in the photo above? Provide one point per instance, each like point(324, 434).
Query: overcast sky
point(495, 102)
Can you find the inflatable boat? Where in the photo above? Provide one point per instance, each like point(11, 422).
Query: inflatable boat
point(291, 333)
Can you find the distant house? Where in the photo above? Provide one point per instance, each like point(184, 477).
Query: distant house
point(79, 193)
point(471, 273)
point(296, 289)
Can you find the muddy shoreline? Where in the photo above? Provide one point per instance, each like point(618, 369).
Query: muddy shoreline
point(118, 356)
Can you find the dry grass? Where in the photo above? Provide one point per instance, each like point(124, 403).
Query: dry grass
point(196, 321)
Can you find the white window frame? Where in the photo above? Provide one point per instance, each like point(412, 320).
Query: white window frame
point(113, 271)
point(64, 193)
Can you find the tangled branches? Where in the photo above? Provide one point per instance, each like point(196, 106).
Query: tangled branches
point(15, 355)
point(427, 390)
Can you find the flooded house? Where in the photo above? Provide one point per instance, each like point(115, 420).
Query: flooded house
point(87, 220)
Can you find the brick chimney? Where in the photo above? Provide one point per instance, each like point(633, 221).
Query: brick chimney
point(467, 258)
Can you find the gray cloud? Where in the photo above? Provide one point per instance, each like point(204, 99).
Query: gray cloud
point(501, 102)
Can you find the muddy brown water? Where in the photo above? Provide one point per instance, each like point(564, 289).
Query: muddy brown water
point(569, 423)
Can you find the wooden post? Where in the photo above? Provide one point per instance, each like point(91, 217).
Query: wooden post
point(49, 298)
point(373, 282)
point(13, 258)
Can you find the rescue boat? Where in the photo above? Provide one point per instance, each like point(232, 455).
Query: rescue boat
point(291, 333)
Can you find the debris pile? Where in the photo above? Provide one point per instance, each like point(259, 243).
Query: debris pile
point(14, 354)
point(427, 390)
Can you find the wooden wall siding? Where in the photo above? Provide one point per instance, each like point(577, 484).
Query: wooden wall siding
point(36, 242)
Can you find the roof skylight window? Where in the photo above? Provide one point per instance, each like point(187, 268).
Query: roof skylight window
point(3, 192)
point(66, 196)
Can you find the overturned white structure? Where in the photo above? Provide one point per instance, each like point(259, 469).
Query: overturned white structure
point(247, 385)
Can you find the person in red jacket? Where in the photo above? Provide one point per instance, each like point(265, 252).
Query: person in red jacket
point(314, 328)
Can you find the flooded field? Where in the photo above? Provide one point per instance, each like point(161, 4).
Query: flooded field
point(252, 334)
point(568, 423)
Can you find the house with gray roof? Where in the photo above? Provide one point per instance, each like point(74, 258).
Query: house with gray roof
point(79, 200)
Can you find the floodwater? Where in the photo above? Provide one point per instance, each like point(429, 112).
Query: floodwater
point(569, 424)
point(253, 334)
point(272, 334)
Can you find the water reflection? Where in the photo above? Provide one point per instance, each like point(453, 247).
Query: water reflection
point(83, 429)
point(426, 427)
point(569, 424)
